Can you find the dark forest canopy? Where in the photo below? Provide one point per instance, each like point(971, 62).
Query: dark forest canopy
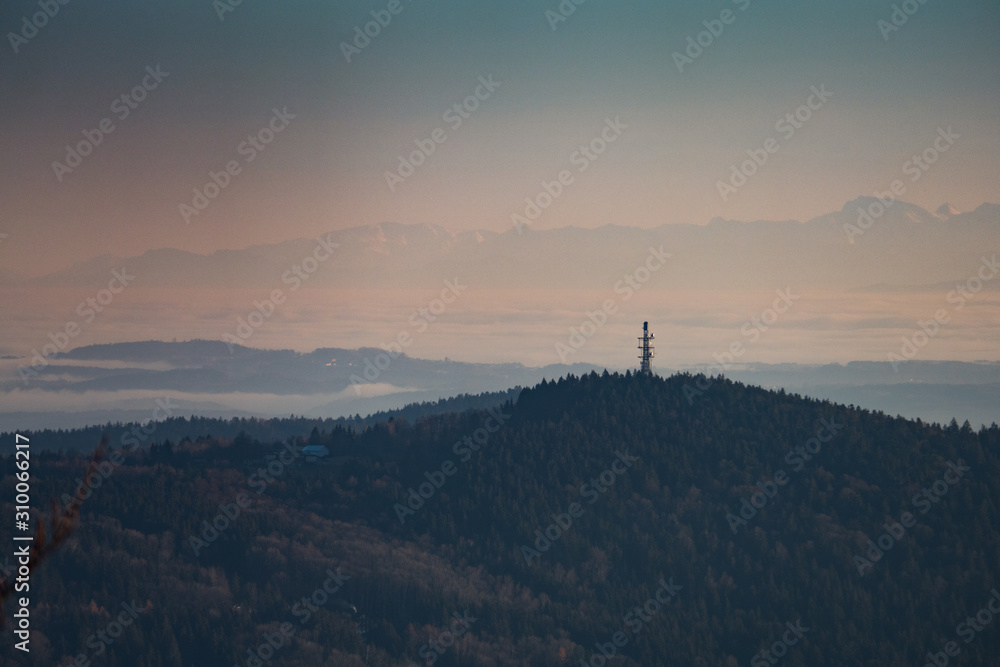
point(549, 525)
point(175, 429)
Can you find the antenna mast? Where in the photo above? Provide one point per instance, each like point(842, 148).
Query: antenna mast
point(646, 350)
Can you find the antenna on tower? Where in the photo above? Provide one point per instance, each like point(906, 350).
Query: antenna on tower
point(646, 350)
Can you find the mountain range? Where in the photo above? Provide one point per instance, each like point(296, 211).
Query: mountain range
point(120, 382)
point(904, 247)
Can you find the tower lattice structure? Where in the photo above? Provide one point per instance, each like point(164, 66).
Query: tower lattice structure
point(646, 349)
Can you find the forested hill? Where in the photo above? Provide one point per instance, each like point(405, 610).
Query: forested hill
point(686, 520)
point(177, 428)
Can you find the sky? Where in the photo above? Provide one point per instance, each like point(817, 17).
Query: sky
point(339, 118)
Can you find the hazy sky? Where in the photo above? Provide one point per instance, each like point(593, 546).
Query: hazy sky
point(891, 91)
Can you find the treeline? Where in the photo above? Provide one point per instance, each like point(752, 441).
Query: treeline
point(176, 429)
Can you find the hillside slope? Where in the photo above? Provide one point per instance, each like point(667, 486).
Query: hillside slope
point(556, 523)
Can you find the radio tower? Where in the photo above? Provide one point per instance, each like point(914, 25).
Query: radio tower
point(646, 350)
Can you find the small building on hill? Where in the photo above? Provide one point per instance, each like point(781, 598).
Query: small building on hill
point(315, 452)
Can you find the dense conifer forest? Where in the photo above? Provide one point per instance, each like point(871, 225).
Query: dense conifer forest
point(178, 428)
point(683, 520)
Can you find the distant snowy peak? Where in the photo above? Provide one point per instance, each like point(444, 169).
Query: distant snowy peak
point(946, 210)
point(889, 208)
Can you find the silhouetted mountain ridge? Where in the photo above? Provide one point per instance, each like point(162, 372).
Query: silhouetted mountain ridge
point(822, 252)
